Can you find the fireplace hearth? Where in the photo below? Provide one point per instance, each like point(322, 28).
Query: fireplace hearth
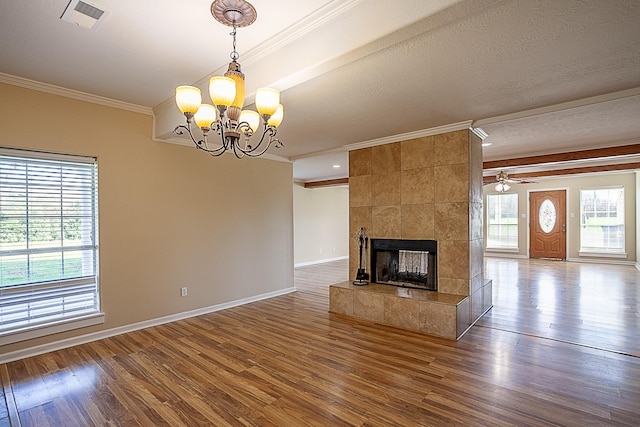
point(406, 263)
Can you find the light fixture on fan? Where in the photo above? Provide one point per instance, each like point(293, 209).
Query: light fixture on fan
point(502, 187)
point(226, 117)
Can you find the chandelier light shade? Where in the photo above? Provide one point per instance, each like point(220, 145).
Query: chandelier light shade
point(251, 118)
point(188, 99)
point(267, 101)
point(277, 117)
point(222, 90)
point(205, 116)
point(235, 126)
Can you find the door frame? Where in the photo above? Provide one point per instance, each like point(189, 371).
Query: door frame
point(569, 219)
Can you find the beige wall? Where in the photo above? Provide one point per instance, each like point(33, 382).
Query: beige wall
point(573, 184)
point(169, 216)
point(321, 223)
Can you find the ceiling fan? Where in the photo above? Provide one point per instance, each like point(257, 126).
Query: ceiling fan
point(503, 182)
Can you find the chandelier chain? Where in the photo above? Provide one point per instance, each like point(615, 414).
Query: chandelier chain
point(234, 54)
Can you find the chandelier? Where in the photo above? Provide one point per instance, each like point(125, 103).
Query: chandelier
point(226, 117)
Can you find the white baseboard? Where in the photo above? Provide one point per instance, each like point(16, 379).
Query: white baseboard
point(603, 261)
point(503, 255)
point(584, 260)
point(83, 339)
point(320, 261)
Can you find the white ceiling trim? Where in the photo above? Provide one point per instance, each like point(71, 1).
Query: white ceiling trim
point(558, 107)
point(326, 14)
point(74, 94)
point(391, 139)
point(318, 153)
point(410, 135)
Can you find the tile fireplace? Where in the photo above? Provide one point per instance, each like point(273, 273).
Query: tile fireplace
point(427, 189)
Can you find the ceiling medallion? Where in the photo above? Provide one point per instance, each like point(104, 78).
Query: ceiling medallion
point(238, 13)
point(226, 116)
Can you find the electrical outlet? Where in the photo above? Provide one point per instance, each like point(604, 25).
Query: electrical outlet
point(183, 292)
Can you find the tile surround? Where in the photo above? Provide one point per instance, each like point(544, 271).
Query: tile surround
point(418, 222)
point(369, 306)
point(384, 189)
point(402, 313)
point(451, 183)
point(417, 310)
point(386, 222)
point(385, 158)
point(360, 162)
point(452, 220)
point(360, 190)
point(425, 188)
point(417, 153)
point(417, 186)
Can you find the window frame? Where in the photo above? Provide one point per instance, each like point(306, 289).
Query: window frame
point(504, 247)
point(73, 299)
point(602, 251)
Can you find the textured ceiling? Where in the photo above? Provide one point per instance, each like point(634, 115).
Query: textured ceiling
point(538, 76)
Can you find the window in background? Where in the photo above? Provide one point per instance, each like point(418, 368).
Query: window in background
point(48, 243)
point(502, 221)
point(602, 220)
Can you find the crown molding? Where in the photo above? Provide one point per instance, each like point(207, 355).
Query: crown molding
point(74, 94)
point(390, 139)
point(410, 135)
point(318, 153)
point(480, 133)
point(303, 27)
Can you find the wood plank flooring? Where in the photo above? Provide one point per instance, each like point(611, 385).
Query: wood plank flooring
point(593, 305)
point(287, 362)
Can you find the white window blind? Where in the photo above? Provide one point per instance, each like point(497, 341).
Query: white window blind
point(48, 240)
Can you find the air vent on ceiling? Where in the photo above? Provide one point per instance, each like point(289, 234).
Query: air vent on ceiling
point(83, 14)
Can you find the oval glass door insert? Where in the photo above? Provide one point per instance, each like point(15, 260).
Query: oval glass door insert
point(547, 216)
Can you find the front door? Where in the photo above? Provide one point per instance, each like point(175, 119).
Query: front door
point(547, 230)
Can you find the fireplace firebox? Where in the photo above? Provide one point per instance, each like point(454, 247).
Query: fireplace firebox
point(407, 263)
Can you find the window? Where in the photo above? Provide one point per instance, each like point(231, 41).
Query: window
point(502, 221)
point(48, 243)
point(602, 220)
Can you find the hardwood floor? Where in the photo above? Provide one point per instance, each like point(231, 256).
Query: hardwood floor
point(287, 362)
point(593, 305)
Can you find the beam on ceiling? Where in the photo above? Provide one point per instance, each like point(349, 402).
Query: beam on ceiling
point(569, 171)
point(326, 183)
point(596, 153)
